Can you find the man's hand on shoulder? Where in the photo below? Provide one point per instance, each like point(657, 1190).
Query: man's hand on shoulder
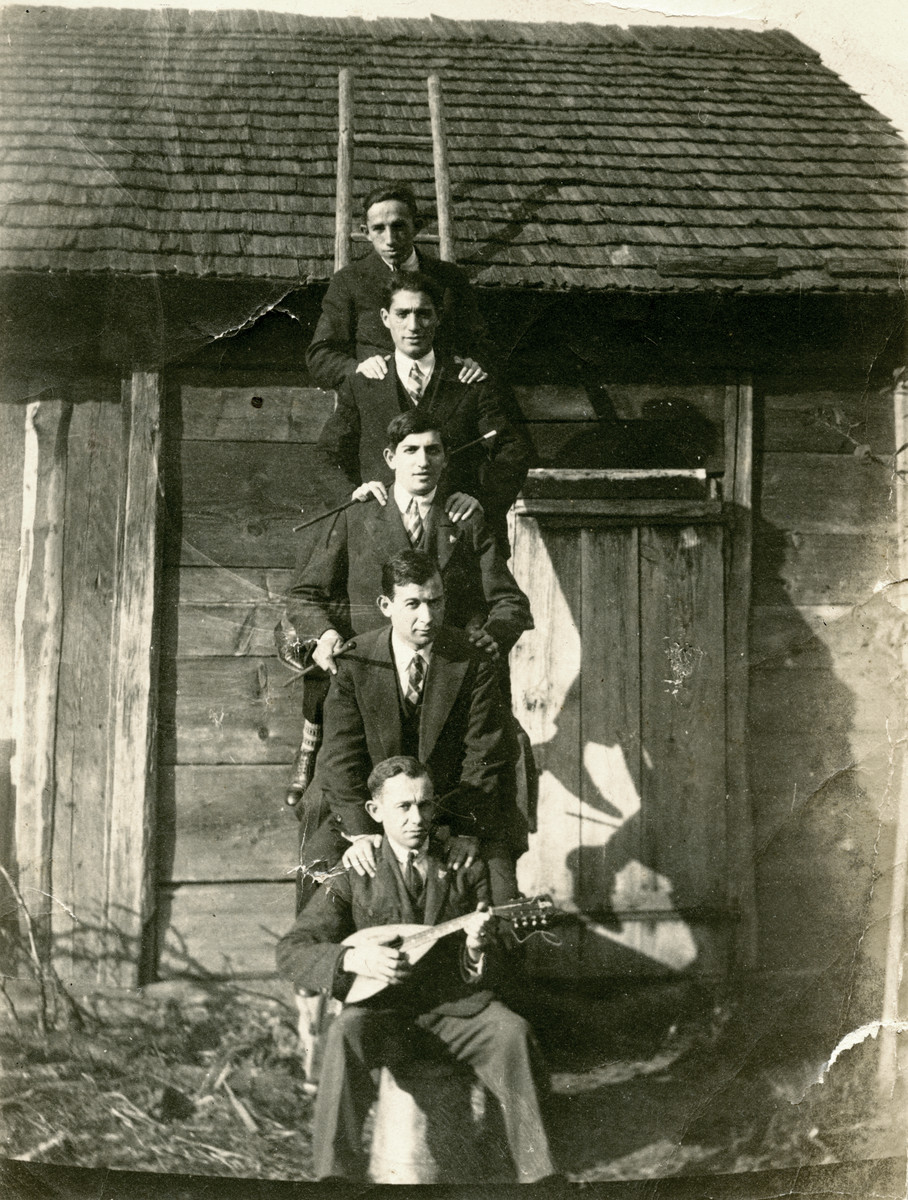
point(461, 852)
point(375, 367)
point(361, 854)
point(460, 506)
point(470, 371)
point(329, 647)
point(484, 641)
point(374, 489)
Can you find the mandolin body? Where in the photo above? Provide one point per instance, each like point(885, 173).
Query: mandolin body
point(363, 986)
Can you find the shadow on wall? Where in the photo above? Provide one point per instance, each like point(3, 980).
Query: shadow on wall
point(625, 712)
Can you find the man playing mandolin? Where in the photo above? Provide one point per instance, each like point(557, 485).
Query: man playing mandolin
point(440, 993)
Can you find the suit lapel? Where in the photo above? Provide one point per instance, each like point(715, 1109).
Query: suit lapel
point(443, 535)
point(443, 681)
point(438, 884)
point(378, 687)
point(389, 527)
point(389, 881)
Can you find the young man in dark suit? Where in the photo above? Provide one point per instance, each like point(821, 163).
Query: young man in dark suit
point(419, 688)
point(350, 337)
point(335, 595)
point(446, 999)
point(352, 441)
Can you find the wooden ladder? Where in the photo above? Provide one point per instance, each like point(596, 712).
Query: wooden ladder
point(345, 142)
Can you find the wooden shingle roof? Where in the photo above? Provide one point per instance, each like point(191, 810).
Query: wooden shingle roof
point(582, 156)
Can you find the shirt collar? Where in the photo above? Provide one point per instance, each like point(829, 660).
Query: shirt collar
point(402, 499)
point(404, 654)
point(412, 263)
point(404, 362)
point(402, 854)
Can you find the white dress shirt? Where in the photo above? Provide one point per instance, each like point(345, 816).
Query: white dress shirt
point(403, 656)
point(403, 363)
point(412, 263)
point(423, 503)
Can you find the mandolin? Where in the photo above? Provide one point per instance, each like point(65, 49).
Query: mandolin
point(415, 941)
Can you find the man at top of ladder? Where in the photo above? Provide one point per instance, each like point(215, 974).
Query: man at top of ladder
point(350, 337)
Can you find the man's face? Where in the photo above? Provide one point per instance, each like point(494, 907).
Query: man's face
point(412, 320)
point(416, 611)
point(391, 229)
point(405, 807)
point(417, 462)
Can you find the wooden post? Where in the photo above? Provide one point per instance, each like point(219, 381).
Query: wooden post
point(132, 778)
point(738, 496)
point(442, 176)
point(39, 631)
point(344, 215)
point(12, 438)
point(888, 1062)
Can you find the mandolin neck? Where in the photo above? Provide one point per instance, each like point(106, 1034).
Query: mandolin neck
point(434, 933)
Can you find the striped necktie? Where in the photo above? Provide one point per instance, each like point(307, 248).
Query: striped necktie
point(413, 522)
point(416, 674)
point(415, 383)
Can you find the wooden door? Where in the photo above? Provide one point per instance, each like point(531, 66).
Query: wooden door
point(239, 469)
point(622, 690)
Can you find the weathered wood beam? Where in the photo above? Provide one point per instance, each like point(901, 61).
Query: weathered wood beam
point(132, 774)
point(39, 631)
point(343, 217)
point(738, 498)
point(888, 1065)
point(442, 174)
point(12, 438)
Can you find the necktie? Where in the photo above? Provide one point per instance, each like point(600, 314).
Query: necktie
point(415, 383)
point(413, 522)
point(412, 877)
point(416, 674)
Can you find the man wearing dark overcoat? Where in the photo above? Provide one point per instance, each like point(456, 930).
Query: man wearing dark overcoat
point(350, 337)
point(445, 1003)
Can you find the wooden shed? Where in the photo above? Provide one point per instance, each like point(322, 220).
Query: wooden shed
point(689, 246)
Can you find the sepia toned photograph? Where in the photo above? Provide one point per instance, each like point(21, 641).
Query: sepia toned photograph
point(453, 599)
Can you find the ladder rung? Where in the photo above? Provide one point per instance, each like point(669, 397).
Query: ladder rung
point(398, 139)
point(356, 236)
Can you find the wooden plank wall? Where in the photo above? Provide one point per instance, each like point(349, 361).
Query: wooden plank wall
point(824, 660)
point(624, 706)
point(239, 467)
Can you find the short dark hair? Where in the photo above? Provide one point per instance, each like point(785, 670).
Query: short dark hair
point(400, 764)
point(414, 420)
point(406, 567)
point(412, 281)
point(401, 192)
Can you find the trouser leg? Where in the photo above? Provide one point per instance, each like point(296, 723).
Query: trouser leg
point(501, 1049)
point(356, 1043)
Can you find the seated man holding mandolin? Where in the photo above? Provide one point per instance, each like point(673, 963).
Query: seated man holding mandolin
point(411, 949)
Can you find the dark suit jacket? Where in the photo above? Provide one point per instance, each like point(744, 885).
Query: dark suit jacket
point(340, 577)
point(465, 740)
point(355, 435)
point(310, 956)
point(350, 327)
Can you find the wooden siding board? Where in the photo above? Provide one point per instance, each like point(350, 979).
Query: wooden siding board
point(546, 685)
point(39, 633)
point(94, 482)
point(611, 786)
point(230, 710)
point(793, 568)
point(227, 823)
point(132, 780)
point(825, 493)
point(228, 930)
point(12, 461)
point(683, 717)
point(241, 501)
